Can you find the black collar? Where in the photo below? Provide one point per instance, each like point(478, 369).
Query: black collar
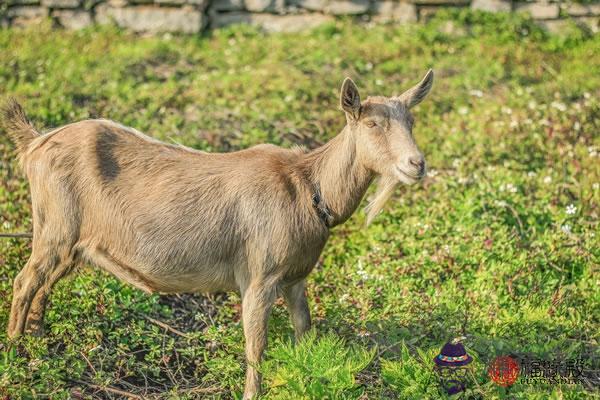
point(322, 210)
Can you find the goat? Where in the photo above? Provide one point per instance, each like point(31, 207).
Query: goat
point(167, 218)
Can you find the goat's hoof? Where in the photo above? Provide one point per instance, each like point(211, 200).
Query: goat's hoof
point(251, 394)
point(12, 334)
point(37, 331)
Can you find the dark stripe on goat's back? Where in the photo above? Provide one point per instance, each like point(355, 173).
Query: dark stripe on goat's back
point(289, 186)
point(108, 165)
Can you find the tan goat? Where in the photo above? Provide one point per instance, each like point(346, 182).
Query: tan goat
point(168, 218)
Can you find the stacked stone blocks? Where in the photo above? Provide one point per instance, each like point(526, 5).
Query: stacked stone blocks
point(194, 16)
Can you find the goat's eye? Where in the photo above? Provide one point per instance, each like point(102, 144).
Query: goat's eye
point(371, 124)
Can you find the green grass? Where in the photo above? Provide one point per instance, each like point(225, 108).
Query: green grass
point(483, 247)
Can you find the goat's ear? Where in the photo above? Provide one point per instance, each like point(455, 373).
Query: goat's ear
point(417, 93)
point(350, 99)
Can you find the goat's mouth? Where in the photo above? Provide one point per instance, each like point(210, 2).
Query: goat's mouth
point(409, 178)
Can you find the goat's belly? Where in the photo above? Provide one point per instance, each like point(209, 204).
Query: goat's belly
point(203, 279)
point(165, 278)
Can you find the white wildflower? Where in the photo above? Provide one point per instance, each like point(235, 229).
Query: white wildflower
point(532, 105)
point(566, 228)
point(463, 180)
point(577, 125)
point(501, 203)
point(344, 297)
point(456, 162)
point(531, 174)
point(369, 66)
point(559, 106)
point(509, 187)
point(547, 179)
point(463, 110)
point(507, 110)
point(476, 93)
point(596, 186)
point(432, 173)
point(378, 82)
point(361, 272)
point(571, 209)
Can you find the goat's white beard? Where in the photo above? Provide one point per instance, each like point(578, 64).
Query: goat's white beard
point(385, 189)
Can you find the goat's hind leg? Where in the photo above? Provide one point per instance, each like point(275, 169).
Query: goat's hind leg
point(35, 319)
point(44, 268)
point(54, 251)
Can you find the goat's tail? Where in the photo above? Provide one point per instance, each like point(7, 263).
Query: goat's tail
point(15, 122)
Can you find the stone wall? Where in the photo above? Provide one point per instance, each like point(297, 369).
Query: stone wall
point(192, 16)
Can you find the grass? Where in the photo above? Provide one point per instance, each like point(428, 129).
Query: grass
point(488, 246)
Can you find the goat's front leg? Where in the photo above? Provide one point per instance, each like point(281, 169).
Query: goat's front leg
point(297, 304)
point(256, 305)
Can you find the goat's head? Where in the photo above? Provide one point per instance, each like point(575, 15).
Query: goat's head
point(382, 127)
point(383, 130)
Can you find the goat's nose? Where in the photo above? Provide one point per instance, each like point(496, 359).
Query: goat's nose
point(418, 162)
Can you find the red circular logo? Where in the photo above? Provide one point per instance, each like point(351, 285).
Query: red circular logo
point(504, 370)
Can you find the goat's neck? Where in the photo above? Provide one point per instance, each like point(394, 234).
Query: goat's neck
point(342, 179)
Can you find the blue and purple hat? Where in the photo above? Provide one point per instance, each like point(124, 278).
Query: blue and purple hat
point(453, 354)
